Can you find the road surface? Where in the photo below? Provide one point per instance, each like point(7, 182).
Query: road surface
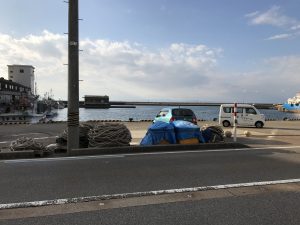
point(35, 180)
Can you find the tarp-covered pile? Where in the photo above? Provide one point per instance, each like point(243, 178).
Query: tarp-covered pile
point(159, 133)
point(187, 133)
point(179, 131)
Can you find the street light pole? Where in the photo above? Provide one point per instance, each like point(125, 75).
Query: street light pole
point(73, 77)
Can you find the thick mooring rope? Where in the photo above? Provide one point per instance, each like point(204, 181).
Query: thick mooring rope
point(84, 129)
point(109, 135)
point(25, 143)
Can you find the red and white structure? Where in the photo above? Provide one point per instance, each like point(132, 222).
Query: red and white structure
point(234, 121)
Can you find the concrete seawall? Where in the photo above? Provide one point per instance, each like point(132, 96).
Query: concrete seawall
point(124, 104)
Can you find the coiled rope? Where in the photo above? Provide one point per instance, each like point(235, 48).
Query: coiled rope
point(26, 143)
point(109, 135)
point(84, 129)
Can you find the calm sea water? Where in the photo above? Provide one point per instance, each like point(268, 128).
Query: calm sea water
point(149, 112)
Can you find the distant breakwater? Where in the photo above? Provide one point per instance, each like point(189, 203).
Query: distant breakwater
point(131, 104)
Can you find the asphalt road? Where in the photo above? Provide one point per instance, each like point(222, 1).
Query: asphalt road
point(268, 209)
point(60, 178)
point(44, 179)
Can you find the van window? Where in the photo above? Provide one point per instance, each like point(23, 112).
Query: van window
point(227, 109)
point(250, 111)
point(230, 110)
point(239, 110)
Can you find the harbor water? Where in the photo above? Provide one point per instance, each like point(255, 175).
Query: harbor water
point(149, 112)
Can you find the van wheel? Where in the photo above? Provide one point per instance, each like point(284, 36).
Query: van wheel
point(226, 123)
point(259, 124)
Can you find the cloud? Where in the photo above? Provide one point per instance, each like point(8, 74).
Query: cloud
point(47, 52)
point(279, 36)
point(296, 27)
point(252, 14)
point(136, 71)
point(130, 71)
point(121, 70)
point(275, 80)
point(273, 16)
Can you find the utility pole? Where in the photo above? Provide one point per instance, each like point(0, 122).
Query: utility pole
point(73, 75)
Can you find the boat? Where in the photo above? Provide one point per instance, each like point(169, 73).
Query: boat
point(292, 104)
point(20, 117)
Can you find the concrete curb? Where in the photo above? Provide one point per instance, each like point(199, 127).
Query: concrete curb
point(18, 154)
point(154, 148)
point(123, 150)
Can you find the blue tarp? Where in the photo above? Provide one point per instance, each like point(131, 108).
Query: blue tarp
point(207, 135)
point(187, 130)
point(158, 132)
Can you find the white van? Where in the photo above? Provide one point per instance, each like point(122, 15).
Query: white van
point(247, 115)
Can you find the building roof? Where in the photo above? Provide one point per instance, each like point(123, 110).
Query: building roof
point(14, 65)
point(3, 80)
point(95, 96)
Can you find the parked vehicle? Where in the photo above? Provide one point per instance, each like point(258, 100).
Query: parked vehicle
point(170, 114)
point(247, 115)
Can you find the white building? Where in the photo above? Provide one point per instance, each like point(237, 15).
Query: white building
point(22, 74)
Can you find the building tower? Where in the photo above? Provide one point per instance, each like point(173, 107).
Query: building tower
point(22, 74)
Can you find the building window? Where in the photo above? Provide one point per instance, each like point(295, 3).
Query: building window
point(11, 76)
point(11, 71)
point(21, 71)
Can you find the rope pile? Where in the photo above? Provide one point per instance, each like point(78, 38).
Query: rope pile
point(26, 143)
point(84, 129)
point(109, 135)
point(217, 133)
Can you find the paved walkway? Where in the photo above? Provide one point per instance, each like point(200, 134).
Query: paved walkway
point(275, 133)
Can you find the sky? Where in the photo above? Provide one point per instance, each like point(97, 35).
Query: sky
point(159, 50)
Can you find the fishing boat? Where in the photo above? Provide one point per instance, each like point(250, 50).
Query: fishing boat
point(20, 117)
point(292, 104)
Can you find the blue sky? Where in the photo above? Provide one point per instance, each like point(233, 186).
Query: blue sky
point(194, 50)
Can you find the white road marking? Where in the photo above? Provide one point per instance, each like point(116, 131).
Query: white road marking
point(140, 194)
point(39, 138)
point(62, 159)
point(24, 134)
point(212, 150)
